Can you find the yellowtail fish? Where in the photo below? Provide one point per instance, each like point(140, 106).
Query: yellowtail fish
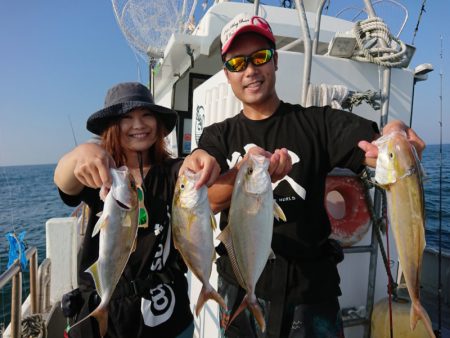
point(248, 235)
point(192, 226)
point(398, 170)
point(118, 225)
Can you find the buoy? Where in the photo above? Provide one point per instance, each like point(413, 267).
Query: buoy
point(347, 210)
point(380, 327)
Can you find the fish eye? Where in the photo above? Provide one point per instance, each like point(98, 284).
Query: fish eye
point(249, 170)
point(182, 186)
point(391, 155)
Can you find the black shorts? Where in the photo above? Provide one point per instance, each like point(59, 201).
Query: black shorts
point(320, 320)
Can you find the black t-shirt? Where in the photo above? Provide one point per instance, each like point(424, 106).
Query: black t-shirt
point(165, 311)
point(318, 139)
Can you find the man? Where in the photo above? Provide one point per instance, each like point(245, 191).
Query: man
point(299, 290)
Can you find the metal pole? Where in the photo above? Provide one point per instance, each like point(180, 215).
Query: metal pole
point(317, 26)
point(308, 50)
point(385, 90)
point(256, 7)
point(16, 305)
point(33, 282)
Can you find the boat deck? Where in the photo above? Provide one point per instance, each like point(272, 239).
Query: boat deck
point(430, 303)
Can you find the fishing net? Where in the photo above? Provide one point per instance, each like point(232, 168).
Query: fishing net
point(148, 24)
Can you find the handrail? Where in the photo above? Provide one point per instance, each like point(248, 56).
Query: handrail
point(44, 273)
point(14, 274)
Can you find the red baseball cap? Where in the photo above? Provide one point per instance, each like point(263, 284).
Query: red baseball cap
point(244, 23)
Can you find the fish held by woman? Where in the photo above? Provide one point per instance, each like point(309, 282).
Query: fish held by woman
point(399, 172)
point(192, 226)
point(117, 225)
point(248, 235)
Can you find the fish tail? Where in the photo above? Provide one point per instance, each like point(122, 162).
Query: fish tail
point(418, 312)
point(206, 293)
point(79, 322)
point(252, 303)
point(101, 314)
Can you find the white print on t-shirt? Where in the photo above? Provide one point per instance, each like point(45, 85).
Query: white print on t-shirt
point(299, 190)
point(159, 308)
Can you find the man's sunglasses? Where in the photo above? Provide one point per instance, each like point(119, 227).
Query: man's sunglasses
point(258, 58)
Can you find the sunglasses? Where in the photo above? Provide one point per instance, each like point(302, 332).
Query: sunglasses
point(258, 58)
point(143, 215)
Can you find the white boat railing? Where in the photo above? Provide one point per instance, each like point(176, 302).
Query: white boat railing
point(14, 274)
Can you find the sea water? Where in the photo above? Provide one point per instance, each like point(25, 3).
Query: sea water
point(29, 197)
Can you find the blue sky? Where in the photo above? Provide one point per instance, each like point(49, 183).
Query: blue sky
point(59, 57)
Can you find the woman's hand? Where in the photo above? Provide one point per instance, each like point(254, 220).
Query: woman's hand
point(92, 166)
point(86, 165)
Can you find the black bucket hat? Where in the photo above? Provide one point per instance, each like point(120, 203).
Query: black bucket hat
point(121, 99)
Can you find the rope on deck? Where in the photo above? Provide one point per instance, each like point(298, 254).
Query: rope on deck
point(33, 326)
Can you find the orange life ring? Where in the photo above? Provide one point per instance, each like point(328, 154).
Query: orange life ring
point(347, 210)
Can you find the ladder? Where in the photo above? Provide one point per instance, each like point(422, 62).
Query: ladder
point(375, 206)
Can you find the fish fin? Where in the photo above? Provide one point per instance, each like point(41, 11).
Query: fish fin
point(101, 314)
point(102, 318)
point(79, 322)
point(206, 293)
point(418, 312)
point(99, 214)
point(101, 224)
point(127, 221)
point(255, 310)
point(213, 222)
point(225, 235)
point(93, 271)
point(378, 185)
point(225, 238)
point(278, 212)
point(272, 254)
point(133, 247)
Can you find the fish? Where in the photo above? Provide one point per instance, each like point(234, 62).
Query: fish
point(399, 172)
point(118, 227)
point(193, 224)
point(248, 234)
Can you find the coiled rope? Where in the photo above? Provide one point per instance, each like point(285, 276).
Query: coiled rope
point(368, 34)
point(371, 97)
point(33, 326)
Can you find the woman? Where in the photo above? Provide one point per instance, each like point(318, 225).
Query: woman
point(151, 297)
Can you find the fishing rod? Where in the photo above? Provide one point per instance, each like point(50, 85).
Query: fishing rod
point(73, 132)
point(441, 75)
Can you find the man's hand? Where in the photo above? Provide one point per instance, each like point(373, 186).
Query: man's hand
point(280, 161)
point(371, 149)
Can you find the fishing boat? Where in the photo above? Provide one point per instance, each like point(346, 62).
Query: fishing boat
point(321, 62)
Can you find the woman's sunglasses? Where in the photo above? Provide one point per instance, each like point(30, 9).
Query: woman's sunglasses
point(258, 58)
point(143, 215)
